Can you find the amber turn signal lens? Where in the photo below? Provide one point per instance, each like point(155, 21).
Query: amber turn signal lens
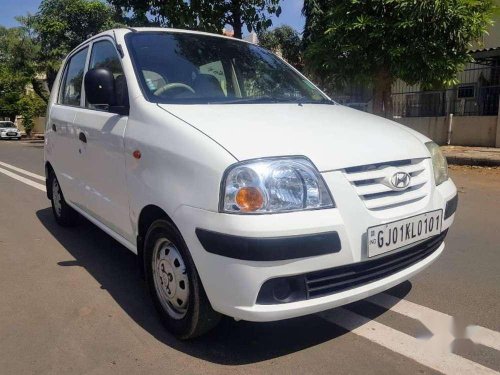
point(249, 199)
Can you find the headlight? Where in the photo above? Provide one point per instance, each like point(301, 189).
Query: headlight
point(273, 185)
point(439, 163)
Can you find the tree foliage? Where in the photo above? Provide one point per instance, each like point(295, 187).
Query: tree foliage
point(11, 90)
point(315, 24)
point(205, 15)
point(423, 42)
point(20, 54)
point(285, 41)
point(61, 25)
point(30, 106)
point(18, 69)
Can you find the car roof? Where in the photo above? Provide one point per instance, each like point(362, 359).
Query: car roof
point(126, 30)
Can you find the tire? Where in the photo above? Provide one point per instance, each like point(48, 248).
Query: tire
point(64, 214)
point(174, 284)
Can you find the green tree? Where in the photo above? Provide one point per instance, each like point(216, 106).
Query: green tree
point(17, 68)
point(313, 11)
point(377, 42)
point(30, 106)
point(61, 25)
point(285, 41)
point(12, 86)
point(19, 54)
point(205, 15)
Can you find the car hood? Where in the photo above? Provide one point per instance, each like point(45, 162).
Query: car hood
point(332, 136)
point(8, 129)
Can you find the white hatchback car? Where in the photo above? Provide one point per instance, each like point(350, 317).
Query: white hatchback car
point(8, 130)
point(243, 189)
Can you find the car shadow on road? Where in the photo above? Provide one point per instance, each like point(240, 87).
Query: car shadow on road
point(231, 343)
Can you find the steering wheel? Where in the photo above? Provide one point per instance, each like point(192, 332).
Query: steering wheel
point(172, 86)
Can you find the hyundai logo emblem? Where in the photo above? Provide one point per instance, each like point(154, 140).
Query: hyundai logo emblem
point(400, 180)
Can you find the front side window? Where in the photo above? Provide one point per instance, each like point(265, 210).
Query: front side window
point(72, 86)
point(216, 70)
point(104, 55)
point(201, 69)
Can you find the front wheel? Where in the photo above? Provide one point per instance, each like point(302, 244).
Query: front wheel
point(63, 213)
point(174, 283)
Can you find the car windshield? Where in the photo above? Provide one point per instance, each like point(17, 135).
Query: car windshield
point(7, 124)
point(201, 69)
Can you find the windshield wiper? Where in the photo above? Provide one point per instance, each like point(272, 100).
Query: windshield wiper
point(304, 100)
point(260, 99)
point(271, 99)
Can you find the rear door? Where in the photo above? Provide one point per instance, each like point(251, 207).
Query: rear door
point(61, 146)
point(100, 138)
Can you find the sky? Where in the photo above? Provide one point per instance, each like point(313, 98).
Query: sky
point(9, 9)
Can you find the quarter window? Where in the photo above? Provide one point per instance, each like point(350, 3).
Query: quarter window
point(72, 88)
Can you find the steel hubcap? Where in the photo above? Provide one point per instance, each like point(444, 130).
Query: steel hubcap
point(170, 278)
point(56, 197)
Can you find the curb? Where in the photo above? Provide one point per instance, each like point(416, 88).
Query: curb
point(479, 162)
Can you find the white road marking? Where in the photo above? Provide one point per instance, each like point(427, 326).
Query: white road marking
point(438, 322)
point(483, 336)
point(23, 171)
point(421, 351)
point(22, 179)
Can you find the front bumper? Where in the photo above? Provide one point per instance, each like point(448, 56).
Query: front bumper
point(233, 285)
point(5, 136)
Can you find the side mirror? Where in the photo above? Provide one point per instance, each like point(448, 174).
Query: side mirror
point(101, 88)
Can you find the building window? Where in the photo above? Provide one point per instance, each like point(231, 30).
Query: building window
point(466, 91)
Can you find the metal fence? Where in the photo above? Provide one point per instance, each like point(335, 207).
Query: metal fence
point(477, 95)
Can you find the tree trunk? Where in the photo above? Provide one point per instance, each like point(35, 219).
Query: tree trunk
point(382, 89)
point(41, 89)
point(51, 77)
point(237, 24)
point(237, 27)
point(237, 31)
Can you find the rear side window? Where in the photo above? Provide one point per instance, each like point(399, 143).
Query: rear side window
point(71, 91)
point(104, 55)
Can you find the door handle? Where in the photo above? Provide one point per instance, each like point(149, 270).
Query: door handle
point(82, 137)
point(54, 127)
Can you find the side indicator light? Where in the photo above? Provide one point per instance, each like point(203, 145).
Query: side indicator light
point(249, 199)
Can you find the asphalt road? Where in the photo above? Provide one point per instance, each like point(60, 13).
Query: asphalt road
point(73, 301)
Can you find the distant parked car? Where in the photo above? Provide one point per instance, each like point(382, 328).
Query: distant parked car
point(8, 130)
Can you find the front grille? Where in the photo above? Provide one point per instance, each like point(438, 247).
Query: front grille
point(334, 280)
point(371, 183)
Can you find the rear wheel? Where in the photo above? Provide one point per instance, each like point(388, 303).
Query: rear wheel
point(64, 214)
point(174, 283)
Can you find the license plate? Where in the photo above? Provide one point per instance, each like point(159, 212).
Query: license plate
point(11, 133)
point(391, 236)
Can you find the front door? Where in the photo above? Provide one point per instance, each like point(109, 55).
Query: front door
point(100, 138)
